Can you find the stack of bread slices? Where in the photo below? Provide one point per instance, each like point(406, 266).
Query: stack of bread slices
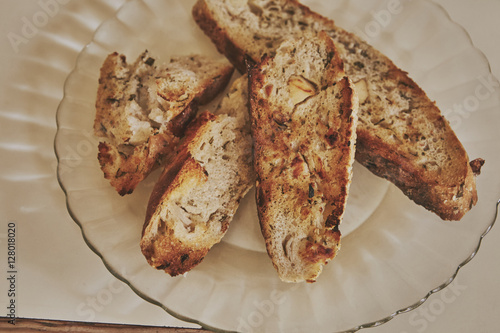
point(310, 99)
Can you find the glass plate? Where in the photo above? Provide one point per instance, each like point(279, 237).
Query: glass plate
point(394, 253)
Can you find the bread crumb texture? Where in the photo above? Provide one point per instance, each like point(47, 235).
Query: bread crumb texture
point(303, 123)
point(402, 135)
point(198, 193)
point(143, 108)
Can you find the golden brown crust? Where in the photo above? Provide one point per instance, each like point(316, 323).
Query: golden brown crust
point(197, 194)
point(126, 171)
point(447, 189)
point(225, 45)
point(450, 202)
point(170, 253)
point(108, 93)
point(174, 163)
point(142, 109)
point(398, 122)
point(303, 154)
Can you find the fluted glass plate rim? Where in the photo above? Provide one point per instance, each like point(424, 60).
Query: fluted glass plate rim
point(419, 300)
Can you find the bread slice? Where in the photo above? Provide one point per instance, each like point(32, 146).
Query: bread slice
point(402, 135)
point(235, 103)
point(303, 114)
point(143, 108)
point(197, 194)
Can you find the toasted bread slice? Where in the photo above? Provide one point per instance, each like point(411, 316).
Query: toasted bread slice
point(235, 103)
point(402, 135)
point(303, 114)
point(143, 108)
point(197, 194)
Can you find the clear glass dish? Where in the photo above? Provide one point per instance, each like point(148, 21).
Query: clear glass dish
point(394, 253)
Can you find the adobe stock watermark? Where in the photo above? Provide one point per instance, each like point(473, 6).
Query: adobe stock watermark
point(95, 304)
point(11, 272)
point(74, 155)
point(486, 84)
point(485, 88)
point(381, 19)
point(263, 309)
point(422, 317)
point(32, 25)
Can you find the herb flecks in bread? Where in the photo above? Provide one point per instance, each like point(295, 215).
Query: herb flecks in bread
point(303, 113)
point(402, 135)
point(198, 193)
point(143, 108)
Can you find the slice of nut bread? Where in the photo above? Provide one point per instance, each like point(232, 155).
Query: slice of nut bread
point(143, 108)
point(198, 193)
point(303, 115)
point(235, 103)
point(402, 135)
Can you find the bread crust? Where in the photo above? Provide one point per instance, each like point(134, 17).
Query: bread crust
point(173, 238)
point(303, 155)
point(390, 143)
point(165, 251)
point(226, 45)
point(126, 171)
point(134, 143)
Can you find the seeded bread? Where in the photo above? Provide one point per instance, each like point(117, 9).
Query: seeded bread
point(143, 108)
point(197, 194)
point(402, 135)
point(303, 114)
point(235, 103)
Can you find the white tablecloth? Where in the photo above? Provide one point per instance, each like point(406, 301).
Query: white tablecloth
point(58, 277)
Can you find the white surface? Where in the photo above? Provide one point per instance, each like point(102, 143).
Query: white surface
point(60, 278)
